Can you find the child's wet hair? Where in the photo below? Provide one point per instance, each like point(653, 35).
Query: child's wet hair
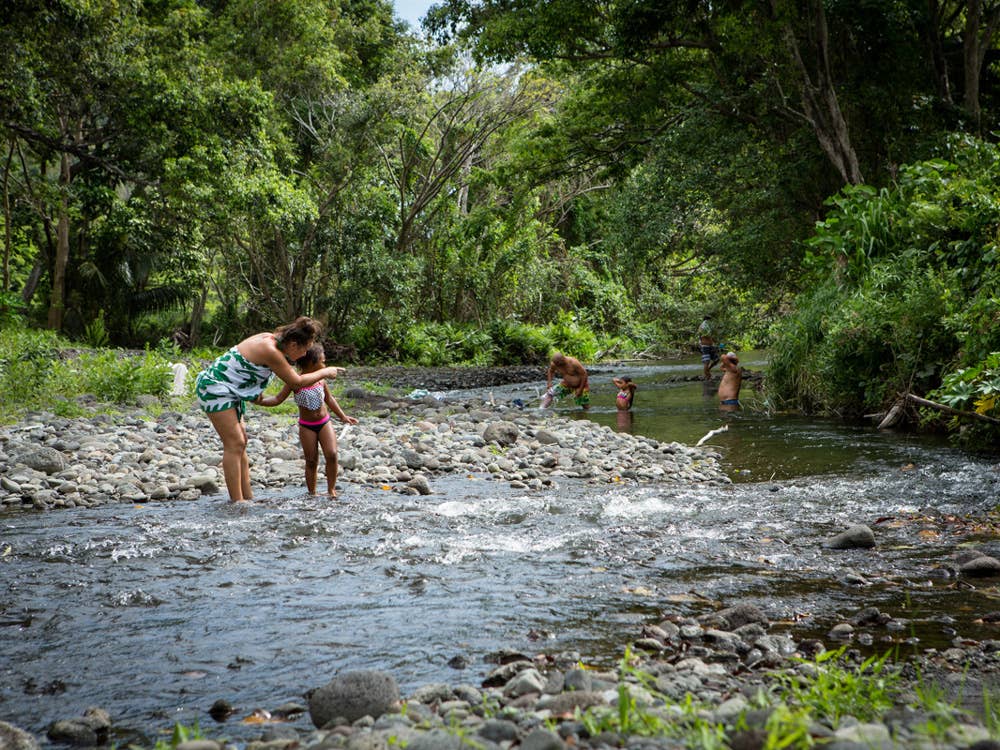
point(312, 356)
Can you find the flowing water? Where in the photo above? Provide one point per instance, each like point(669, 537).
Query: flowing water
point(155, 611)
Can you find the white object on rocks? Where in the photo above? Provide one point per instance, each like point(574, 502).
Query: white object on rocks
point(179, 387)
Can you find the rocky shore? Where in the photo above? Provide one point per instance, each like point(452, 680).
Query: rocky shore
point(154, 454)
point(729, 678)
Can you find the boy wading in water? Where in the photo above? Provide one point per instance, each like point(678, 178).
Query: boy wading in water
point(315, 428)
point(732, 379)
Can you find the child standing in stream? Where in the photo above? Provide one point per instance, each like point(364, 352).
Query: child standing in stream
point(315, 428)
point(626, 392)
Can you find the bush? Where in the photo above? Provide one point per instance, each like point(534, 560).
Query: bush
point(442, 344)
point(905, 287)
point(26, 365)
point(516, 343)
point(569, 337)
point(34, 362)
point(118, 378)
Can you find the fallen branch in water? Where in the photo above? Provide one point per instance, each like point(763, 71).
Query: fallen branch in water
point(949, 410)
point(711, 433)
point(894, 415)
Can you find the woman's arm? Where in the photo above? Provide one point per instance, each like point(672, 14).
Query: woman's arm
point(263, 400)
point(266, 352)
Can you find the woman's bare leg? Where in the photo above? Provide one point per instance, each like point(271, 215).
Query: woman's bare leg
point(235, 462)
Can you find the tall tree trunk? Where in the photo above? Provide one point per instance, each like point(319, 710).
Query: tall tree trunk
point(7, 239)
point(197, 314)
point(933, 39)
point(970, 60)
point(820, 105)
point(57, 300)
point(46, 244)
point(463, 192)
point(31, 283)
point(980, 26)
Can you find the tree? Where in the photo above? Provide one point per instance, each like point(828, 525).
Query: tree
point(65, 69)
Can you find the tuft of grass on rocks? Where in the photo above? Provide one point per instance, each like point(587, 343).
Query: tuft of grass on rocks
point(834, 690)
point(655, 715)
point(829, 691)
point(179, 736)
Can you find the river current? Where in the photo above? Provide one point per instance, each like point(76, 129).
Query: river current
point(155, 611)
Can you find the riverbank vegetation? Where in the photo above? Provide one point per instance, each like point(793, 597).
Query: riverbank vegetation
point(904, 293)
point(589, 176)
point(41, 369)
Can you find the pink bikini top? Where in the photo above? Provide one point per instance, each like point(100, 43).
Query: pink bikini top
point(311, 397)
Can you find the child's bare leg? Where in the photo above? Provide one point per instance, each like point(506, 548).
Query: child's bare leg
point(310, 451)
point(328, 442)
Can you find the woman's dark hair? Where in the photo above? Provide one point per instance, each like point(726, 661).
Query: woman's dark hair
point(302, 331)
point(313, 355)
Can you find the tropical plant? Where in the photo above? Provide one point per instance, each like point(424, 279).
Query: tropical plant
point(904, 288)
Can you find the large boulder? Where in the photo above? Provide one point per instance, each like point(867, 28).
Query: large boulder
point(40, 458)
point(981, 567)
point(856, 537)
point(502, 433)
point(13, 738)
point(735, 617)
point(350, 696)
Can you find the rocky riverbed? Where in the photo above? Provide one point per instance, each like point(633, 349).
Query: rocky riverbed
point(722, 679)
point(727, 679)
point(154, 454)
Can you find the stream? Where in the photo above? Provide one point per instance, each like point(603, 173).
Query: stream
point(155, 611)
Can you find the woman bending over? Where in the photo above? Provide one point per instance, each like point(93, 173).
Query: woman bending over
point(240, 375)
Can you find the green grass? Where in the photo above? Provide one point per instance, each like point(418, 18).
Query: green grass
point(834, 690)
point(828, 690)
point(41, 370)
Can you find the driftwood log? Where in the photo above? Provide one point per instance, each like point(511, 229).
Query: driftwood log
point(949, 410)
point(895, 413)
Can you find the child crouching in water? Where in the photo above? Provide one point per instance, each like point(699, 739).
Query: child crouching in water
point(315, 429)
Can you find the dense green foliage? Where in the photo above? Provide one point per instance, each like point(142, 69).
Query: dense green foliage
point(906, 290)
point(592, 175)
point(40, 369)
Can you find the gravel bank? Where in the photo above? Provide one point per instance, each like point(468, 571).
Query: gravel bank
point(147, 456)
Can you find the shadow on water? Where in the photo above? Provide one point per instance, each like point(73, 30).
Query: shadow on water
point(154, 612)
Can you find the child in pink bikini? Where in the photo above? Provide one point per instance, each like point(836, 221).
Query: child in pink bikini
point(315, 429)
